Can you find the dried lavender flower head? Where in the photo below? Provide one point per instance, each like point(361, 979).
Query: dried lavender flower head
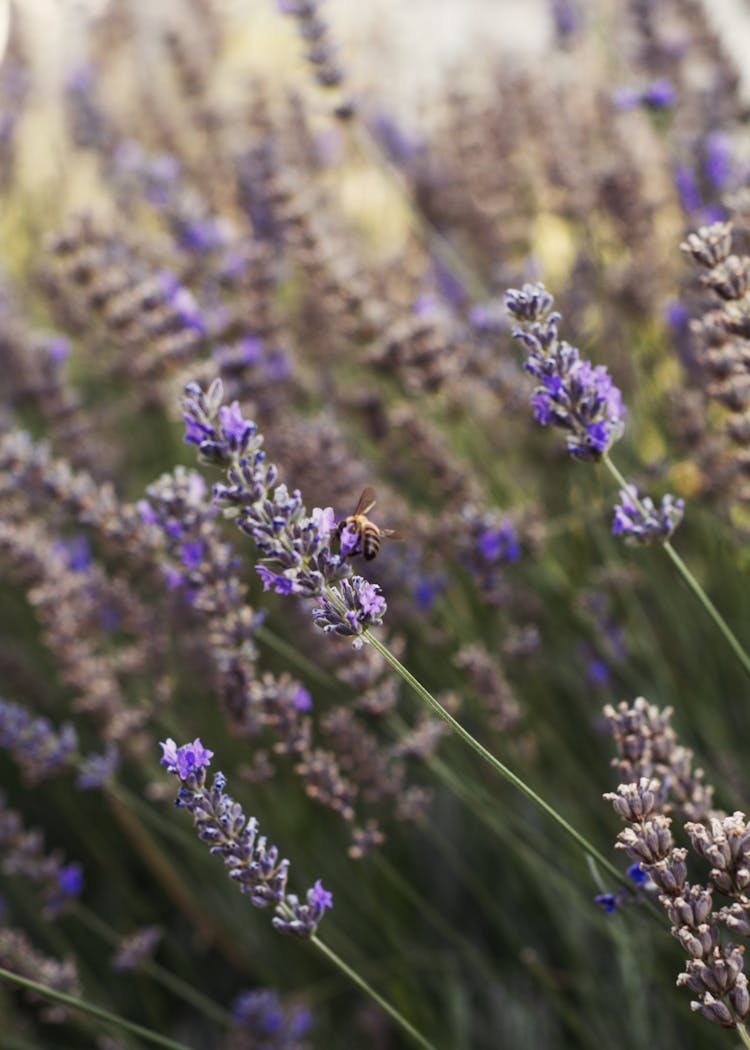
point(572, 394)
point(638, 520)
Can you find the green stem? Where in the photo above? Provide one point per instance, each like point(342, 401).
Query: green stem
point(742, 1032)
point(361, 983)
point(690, 580)
point(488, 757)
point(94, 1011)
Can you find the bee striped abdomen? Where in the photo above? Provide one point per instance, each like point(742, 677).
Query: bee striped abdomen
point(370, 540)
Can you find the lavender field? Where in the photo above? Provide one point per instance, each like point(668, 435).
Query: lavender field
point(374, 524)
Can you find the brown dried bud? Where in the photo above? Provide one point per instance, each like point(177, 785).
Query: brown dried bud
point(713, 1010)
point(729, 280)
point(691, 908)
point(649, 842)
point(710, 245)
point(699, 944)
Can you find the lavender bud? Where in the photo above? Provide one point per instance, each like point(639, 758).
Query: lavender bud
point(691, 908)
point(633, 803)
point(649, 842)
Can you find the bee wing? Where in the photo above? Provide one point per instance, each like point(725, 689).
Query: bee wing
point(391, 534)
point(366, 501)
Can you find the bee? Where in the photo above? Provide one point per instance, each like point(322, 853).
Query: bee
point(369, 535)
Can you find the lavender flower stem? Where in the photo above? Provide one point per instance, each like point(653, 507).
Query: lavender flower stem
point(95, 1011)
point(488, 757)
point(743, 1034)
point(361, 983)
point(691, 581)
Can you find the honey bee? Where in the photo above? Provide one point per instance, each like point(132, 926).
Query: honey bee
point(369, 535)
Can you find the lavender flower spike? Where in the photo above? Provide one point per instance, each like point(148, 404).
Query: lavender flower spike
point(251, 862)
point(638, 520)
point(571, 394)
point(301, 552)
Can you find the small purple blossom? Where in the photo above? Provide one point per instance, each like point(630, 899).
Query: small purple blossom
point(499, 544)
point(609, 902)
point(349, 541)
point(262, 1014)
point(659, 94)
point(637, 874)
point(185, 760)
point(321, 897)
point(301, 699)
point(638, 520)
point(274, 581)
point(70, 879)
point(234, 426)
point(191, 554)
point(58, 349)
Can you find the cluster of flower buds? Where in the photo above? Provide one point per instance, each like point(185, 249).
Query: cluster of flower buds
point(254, 865)
point(639, 520)
point(713, 972)
point(571, 393)
point(296, 547)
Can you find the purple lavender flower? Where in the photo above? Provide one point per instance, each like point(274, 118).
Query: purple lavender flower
point(640, 521)
point(40, 750)
point(572, 394)
point(607, 901)
point(254, 865)
point(296, 547)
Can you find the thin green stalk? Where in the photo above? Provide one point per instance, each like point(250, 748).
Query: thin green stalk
point(691, 581)
point(488, 757)
point(94, 1011)
point(743, 1034)
point(362, 984)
